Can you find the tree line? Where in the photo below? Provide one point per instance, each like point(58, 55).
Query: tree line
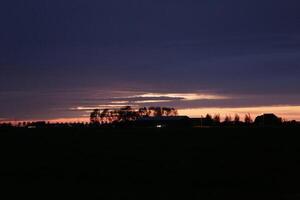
point(127, 113)
point(216, 119)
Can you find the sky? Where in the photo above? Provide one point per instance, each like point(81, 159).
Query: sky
point(61, 58)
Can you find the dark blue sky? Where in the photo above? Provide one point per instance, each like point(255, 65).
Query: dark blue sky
point(59, 54)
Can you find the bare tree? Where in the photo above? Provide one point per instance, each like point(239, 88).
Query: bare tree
point(208, 117)
point(217, 118)
point(174, 112)
point(228, 119)
point(95, 116)
point(248, 119)
point(208, 120)
point(169, 111)
point(236, 119)
point(152, 111)
point(104, 116)
point(158, 111)
point(143, 112)
point(127, 113)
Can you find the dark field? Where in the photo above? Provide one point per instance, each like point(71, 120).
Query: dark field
point(156, 163)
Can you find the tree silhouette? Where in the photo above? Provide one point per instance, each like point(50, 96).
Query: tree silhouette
point(143, 112)
point(208, 117)
point(159, 112)
point(248, 119)
point(95, 116)
point(228, 119)
point(208, 120)
point(217, 118)
point(127, 113)
point(168, 111)
point(152, 111)
point(104, 116)
point(236, 119)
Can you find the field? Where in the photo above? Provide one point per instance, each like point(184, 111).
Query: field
point(183, 163)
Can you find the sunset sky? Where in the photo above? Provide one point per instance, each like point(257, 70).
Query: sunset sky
point(61, 58)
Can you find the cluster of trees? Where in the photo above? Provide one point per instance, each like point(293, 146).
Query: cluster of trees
point(209, 119)
point(127, 113)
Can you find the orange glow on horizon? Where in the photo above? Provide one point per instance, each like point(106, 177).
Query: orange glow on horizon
point(286, 112)
point(56, 120)
point(69, 120)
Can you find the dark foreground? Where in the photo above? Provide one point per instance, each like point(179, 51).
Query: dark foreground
point(156, 163)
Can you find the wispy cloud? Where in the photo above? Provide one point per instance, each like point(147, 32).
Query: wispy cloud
point(102, 106)
point(151, 101)
point(120, 102)
point(182, 96)
point(196, 104)
point(83, 108)
point(142, 99)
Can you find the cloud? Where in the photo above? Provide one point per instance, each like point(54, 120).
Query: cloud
point(101, 106)
point(152, 101)
point(83, 108)
point(119, 102)
point(144, 99)
point(182, 96)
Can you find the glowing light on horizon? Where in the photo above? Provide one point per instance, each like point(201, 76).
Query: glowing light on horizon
point(285, 111)
point(82, 119)
point(70, 120)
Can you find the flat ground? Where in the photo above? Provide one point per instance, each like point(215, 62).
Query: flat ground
point(184, 163)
